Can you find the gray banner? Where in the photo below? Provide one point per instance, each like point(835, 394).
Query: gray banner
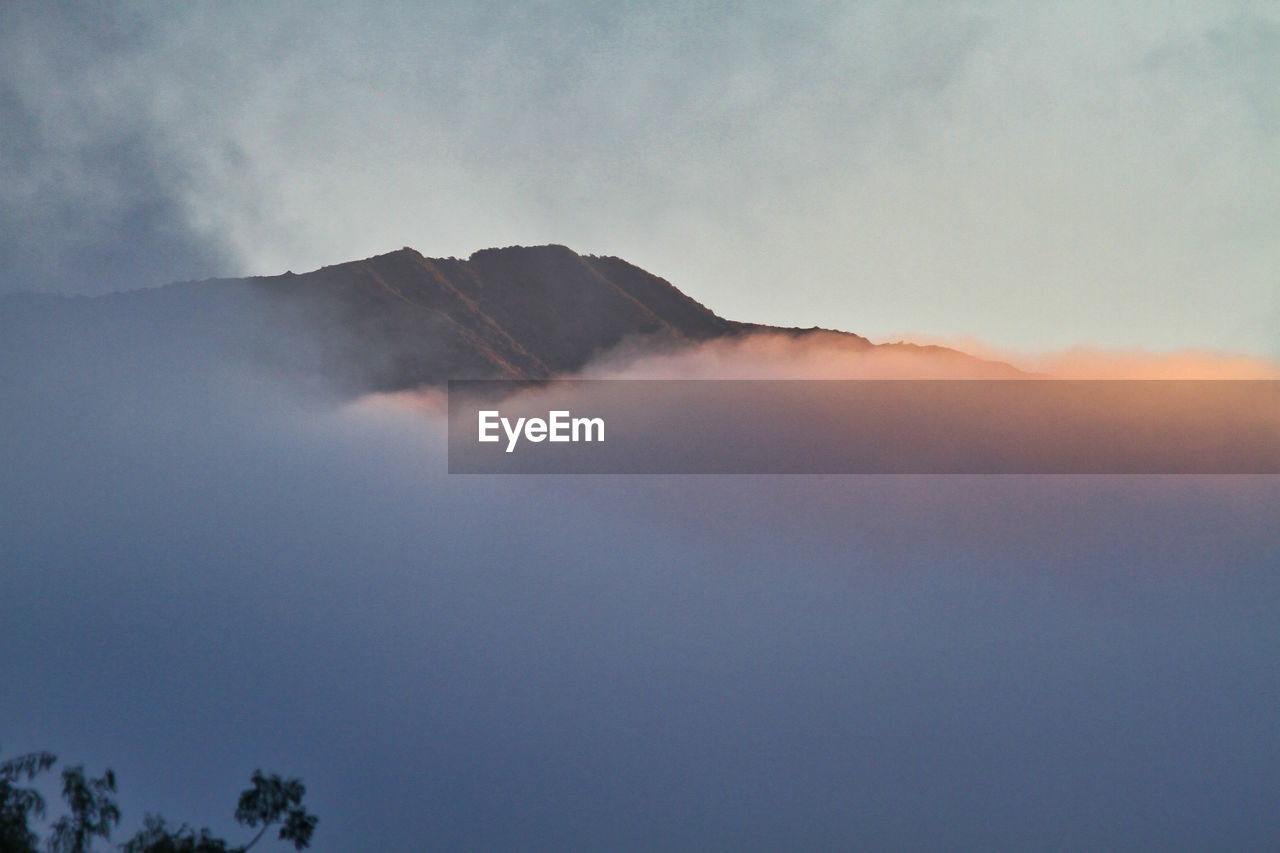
point(864, 427)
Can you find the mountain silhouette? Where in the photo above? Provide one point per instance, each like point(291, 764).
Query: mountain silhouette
point(516, 313)
point(396, 321)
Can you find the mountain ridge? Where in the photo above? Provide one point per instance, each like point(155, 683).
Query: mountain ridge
point(401, 320)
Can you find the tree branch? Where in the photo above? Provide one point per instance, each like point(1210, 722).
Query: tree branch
point(265, 824)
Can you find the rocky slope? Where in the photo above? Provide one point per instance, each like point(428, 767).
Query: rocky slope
point(511, 313)
point(390, 322)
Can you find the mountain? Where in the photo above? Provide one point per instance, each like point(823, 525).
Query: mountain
point(391, 322)
point(520, 312)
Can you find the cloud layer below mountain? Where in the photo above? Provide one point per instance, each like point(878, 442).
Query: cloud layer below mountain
point(204, 577)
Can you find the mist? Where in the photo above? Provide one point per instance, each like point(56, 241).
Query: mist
point(204, 572)
point(213, 558)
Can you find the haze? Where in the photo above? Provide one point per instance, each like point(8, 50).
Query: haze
point(207, 567)
point(203, 573)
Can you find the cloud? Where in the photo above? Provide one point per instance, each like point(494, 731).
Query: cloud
point(940, 421)
point(1040, 178)
point(94, 199)
point(203, 573)
point(1086, 362)
point(780, 355)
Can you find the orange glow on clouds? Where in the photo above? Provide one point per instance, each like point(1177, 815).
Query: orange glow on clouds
point(1088, 362)
point(816, 355)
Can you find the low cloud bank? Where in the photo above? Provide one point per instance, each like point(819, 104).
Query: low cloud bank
point(203, 573)
point(799, 421)
point(1087, 362)
point(808, 355)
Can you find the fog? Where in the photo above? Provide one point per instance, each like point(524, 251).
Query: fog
point(206, 567)
point(203, 573)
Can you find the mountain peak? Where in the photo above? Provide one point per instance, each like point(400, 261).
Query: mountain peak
point(402, 320)
point(546, 250)
point(523, 312)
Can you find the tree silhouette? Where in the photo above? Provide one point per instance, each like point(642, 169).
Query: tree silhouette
point(93, 812)
point(274, 800)
point(156, 837)
point(271, 801)
point(19, 805)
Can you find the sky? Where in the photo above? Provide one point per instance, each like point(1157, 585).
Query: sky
point(1033, 176)
point(203, 571)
